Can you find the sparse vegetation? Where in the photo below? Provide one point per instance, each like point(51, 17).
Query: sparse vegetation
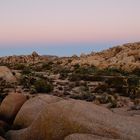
point(63, 74)
point(19, 66)
point(42, 86)
point(26, 71)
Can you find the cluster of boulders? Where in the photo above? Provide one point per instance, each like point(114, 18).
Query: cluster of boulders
point(126, 57)
point(46, 117)
point(33, 58)
point(9, 108)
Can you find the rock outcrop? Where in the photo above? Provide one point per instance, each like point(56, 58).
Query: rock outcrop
point(58, 120)
point(30, 59)
point(126, 57)
point(6, 74)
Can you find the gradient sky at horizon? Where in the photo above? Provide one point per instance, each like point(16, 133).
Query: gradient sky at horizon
point(66, 27)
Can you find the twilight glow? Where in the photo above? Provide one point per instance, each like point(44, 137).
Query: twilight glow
point(35, 24)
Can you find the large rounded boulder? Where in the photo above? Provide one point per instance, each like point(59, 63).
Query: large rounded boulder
point(6, 74)
point(31, 109)
point(11, 105)
point(60, 119)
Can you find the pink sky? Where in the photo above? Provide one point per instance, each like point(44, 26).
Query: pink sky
point(69, 21)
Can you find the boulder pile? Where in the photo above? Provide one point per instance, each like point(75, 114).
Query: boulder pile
point(46, 117)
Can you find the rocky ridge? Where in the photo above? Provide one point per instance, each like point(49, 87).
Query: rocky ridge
point(125, 57)
point(32, 58)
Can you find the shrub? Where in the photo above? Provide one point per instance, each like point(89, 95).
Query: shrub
point(19, 66)
point(111, 71)
point(42, 86)
point(112, 101)
point(87, 96)
point(133, 81)
point(136, 71)
point(74, 77)
point(116, 81)
point(27, 70)
point(83, 96)
point(85, 69)
point(64, 73)
point(47, 66)
point(32, 90)
point(76, 66)
point(25, 81)
point(2, 85)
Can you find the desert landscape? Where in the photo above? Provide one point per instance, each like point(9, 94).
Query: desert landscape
point(93, 96)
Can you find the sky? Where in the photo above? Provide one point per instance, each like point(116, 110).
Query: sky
point(66, 27)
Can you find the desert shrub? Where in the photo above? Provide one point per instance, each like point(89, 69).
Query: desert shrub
point(5, 64)
point(136, 72)
point(37, 68)
point(63, 76)
point(101, 88)
point(25, 81)
point(60, 88)
point(97, 78)
point(26, 71)
point(112, 101)
point(111, 72)
point(47, 65)
point(76, 66)
point(81, 70)
point(133, 81)
point(32, 90)
point(116, 81)
point(74, 77)
point(42, 86)
point(87, 73)
point(19, 66)
point(103, 99)
point(83, 96)
point(85, 77)
point(2, 85)
point(64, 72)
point(87, 96)
point(85, 69)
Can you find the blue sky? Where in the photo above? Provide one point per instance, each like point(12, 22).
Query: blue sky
point(63, 49)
